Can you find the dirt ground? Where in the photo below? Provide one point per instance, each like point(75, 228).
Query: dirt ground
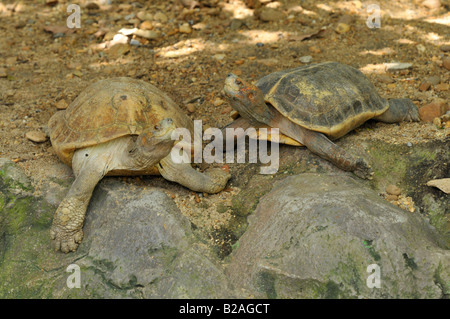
point(187, 51)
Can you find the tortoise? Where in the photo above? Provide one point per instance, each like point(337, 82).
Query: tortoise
point(313, 105)
point(118, 126)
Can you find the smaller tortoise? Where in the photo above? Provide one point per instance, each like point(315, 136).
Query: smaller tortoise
point(313, 104)
point(118, 126)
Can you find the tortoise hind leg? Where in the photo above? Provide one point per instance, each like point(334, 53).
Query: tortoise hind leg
point(400, 110)
point(212, 181)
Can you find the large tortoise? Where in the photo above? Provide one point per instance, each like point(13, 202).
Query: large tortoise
point(118, 126)
point(313, 104)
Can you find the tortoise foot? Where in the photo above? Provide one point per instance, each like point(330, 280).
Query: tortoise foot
point(65, 240)
point(363, 169)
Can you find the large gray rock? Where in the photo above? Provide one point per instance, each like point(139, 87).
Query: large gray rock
point(137, 241)
point(314, 236)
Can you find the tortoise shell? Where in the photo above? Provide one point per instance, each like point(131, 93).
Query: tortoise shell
point(109, 109)
point(329, 97)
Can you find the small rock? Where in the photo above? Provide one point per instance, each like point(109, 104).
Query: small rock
point(161, 17)
point(385, 78)
point(147, 34)
point(144, 16)
point(219, 56)
point(393, 190)
point(432, 4)
point(135, 42)
point(445, 47)
point(267, 14)
point(36, 136)
point(306, 59)
point(424, 86)
point(442, 87)
point(191, 107)
point(446, 63)
point(391, 197)
point(342, 28)
point(409, 144)
point(259, 44)
point(118, 50)
point(397, 66)
point(268, 62)
point(434, 80)
point(3, 73)
point(421, 48)
point(218, 102)
point(61, 104)
point(435, 109)
point(146, 25)
point(185, 28)
point(92, 6)
point(314, 49)
point(437, 122)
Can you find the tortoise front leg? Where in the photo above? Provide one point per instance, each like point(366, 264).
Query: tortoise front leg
point(319, 144)
point(67, 228)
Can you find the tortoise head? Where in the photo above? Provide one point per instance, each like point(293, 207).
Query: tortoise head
point(246, 98)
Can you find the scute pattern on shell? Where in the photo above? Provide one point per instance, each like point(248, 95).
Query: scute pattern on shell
point(329, 97)
point(109, 109)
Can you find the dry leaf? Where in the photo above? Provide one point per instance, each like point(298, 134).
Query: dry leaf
point(443, 184)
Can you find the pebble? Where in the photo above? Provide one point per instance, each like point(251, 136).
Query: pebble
point(118, 50)
point(437, 122)
point(446, 63)
point(385, 78)
point(218, 102)
point(306, 59)
point(61, 104)
point(424, 86)
point(393, 190)
point(259, 44)
point(3, 73)
point(92, 6)
point(161, 17)
point(397, 66)
point(147, 34)
point(442, 87)
point(144, 16)
point(445, 47)
point(135, 42)
point(219, 56)
point(342, 28)
point(434, 109)
point(434, 80)
point(409, 144)
point(432, 4)
point(391, 197)
point(315, 49)
point(185, 28)
point(36, 136)
point(146, 25)
point(191, 107)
